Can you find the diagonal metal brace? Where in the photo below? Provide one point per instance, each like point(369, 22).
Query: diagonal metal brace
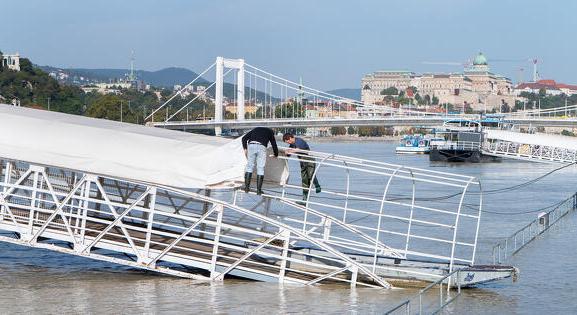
point(115, 214)
point(58, 210)
point(328, 275)
point(111, 225)
point(221, 275)
point(181, 236)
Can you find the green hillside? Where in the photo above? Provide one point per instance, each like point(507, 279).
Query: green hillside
point(35, 88)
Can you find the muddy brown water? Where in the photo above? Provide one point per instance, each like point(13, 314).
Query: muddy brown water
point(39, 281)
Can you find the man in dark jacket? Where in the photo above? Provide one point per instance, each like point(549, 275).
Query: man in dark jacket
point(306, 162)
point(255, 143)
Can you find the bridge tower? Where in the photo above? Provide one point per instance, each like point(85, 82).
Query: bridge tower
point(235, 64)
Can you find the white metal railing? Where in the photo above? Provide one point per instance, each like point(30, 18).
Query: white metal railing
point(518, 240)
point(555, 111)
point(531, 152)
point(417, 221)
point(366, 213)
point(459, 145)
point(443, 300)
point(156, 226)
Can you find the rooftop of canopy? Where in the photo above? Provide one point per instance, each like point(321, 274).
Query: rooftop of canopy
point(124, 150)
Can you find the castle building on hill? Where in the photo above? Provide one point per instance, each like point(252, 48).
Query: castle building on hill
point(476, 86)
point(11, 62)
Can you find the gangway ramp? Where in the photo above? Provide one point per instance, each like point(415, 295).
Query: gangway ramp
point(100, 217)
point(537, 147)
point(169, 202)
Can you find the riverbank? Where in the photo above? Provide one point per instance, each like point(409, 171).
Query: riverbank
point(353, 138)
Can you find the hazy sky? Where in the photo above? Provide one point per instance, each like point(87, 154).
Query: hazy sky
point(331, 44)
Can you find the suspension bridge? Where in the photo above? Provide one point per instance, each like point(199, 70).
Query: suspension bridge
point(288, 104)
point(295, 105)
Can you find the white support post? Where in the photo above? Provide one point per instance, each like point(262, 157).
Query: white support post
point(240, 91)
point(327, 228)
point(7, 178)
point(151, 207)
point(218, 94)
point(85, 192)
point(354, 276)
point(220, 211)
point(35, 181)
point(285, 236)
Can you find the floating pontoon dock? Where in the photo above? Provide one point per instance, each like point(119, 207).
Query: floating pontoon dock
point(169, 202)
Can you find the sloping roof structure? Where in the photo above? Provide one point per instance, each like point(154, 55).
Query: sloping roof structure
point(557, 141)
point(122, 150)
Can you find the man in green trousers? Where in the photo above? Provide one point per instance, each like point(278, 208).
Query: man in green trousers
point(307, 166)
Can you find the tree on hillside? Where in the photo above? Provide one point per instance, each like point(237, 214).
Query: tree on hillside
point(26, 65)
point(109, 107)
point(505, 108)
point(338, 131)
point(34, 87)
point(390, 91)
point(435, 100)
point(427, 99)
point(289, 110)
point(419, 99)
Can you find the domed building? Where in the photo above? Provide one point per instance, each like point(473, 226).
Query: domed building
point(476, 86)
point(493, 89)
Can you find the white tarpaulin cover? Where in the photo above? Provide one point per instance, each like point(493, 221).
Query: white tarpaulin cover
point(556, 141)
point(124, 150)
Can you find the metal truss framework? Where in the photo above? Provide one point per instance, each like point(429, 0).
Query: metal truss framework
point(530, 152)
point(155, 227)
point(341, 234)
point(404, 216)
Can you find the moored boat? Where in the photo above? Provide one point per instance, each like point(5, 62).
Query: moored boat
point(413, 144)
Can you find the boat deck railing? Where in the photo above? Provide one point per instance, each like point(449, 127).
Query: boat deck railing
point(459, 145)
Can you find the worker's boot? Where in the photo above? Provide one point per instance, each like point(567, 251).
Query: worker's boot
point(247, 179)
point(259, 181)
point(305, 198)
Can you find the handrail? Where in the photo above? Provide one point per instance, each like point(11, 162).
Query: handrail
point(338, 222)
point(518, 240)
point(463, 145)
point(442, 303)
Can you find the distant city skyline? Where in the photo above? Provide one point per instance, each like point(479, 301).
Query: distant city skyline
point(331, 44)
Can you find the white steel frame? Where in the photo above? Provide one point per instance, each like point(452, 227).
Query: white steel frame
point(327, 221)
point(274, 238)
point(529, 152)
point(155, 226)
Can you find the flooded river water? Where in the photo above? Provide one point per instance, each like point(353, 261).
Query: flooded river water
point(38, 281)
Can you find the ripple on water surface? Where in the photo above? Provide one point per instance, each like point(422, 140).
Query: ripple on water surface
point(47, 282)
